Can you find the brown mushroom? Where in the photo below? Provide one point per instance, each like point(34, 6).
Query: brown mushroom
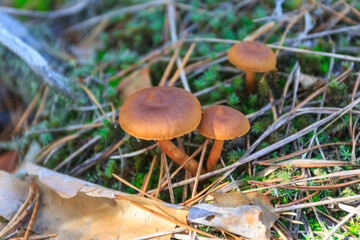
point(162, 113)
point(221, 123)
point(252, 57)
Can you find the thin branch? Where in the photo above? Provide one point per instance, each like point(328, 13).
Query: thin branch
point(320, 203)
point(39, 65)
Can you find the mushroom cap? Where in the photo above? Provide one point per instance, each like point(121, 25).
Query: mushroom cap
point(223, 123)
point(160, 113)
point(252, 56)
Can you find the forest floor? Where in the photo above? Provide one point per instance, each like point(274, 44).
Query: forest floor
point(68, 66)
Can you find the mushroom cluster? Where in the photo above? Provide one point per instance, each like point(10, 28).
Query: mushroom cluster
point(164, 113)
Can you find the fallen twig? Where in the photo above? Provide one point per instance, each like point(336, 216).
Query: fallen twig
point(39, 65)
point(320, 203)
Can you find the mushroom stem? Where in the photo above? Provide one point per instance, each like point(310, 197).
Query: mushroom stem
point(250, 82)
point(214, 154)
point(179, 156)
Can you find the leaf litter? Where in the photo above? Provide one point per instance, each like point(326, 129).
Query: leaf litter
point(250, 215)
point(76, 191)
point(76, 209)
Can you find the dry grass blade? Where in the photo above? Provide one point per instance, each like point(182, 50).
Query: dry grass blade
point(160, 179)
point(20, 214)
point(221, 57)
point(148, 176)
point(298, 187)
point(260, 31)
point(97, 69)
point(290, 49)
point(288, 82)
point(203, 191)
point(138, 152)
point(69, 128)
point(325, 33)
point(289, 26)
point(341, 223)
point(337, 16)
point(88, 40)
point(308, 163)
point(134, 187)
point(45, 151)
point(302, 151)
point(98, 157)
point(320, 203)
point(31, 221)
point(77, 152)
point(280, 232)
point(163, 184)
point(202, 157)
point(160, 234)
point(163, 158)
point(180, 224)
point(349, 209)
point(171, 63)
point(197, 199)
point(353, 128)
point(41, 106)
point(299, 200)
point(291, 220)
point(93, 98)
point(330, 175)
point(152, 55)
point(339, 79)
point(27, 112)
point(183, 63)
point(325, 54)
point(172, 20)
point(94, 20)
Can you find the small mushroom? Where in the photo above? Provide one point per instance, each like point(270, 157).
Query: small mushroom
point(162, 113)
point(252, 57)
point(221, 123)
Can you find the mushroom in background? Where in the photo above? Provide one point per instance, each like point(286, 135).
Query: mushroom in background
point(162, 113)
point(221, 123)
point(252, 57)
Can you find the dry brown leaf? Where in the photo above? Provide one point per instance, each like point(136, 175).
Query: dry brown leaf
point(13, 193)
point(269, 216)
point(8, 161)
point(231, 199)
point(250, 215)
point(136, 81)
point(76, 209)
point(306, 80)
point(243, 220)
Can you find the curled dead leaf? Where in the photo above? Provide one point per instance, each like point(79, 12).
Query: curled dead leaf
point(136, 81)
point(76, 209)
point(250, 215)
